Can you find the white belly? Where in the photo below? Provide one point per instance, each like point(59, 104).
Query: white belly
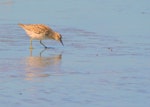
point(39, 36)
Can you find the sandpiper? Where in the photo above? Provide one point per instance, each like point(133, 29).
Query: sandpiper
point(40, 32)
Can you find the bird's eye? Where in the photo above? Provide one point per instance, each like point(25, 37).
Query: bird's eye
point(60, 36)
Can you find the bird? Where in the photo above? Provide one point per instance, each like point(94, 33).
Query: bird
point(40, 32)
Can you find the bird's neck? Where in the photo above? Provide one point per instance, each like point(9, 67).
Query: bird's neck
point(52, 35)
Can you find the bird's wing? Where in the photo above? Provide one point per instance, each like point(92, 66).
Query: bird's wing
point(37, 28)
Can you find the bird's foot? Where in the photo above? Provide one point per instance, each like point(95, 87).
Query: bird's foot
point(49, 48)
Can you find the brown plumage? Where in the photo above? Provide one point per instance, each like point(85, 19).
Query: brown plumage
point(40, 32)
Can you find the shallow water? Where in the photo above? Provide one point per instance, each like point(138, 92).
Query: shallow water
point(105, 61)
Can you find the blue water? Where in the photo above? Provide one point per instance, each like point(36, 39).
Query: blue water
point(104, 63)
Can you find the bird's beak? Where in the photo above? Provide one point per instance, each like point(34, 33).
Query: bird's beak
point(61, 42)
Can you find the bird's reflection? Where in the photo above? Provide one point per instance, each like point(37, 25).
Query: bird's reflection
point(40, 66)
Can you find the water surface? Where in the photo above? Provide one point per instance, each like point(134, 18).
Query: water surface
point(105, 60)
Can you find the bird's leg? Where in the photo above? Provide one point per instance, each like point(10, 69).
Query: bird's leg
point(43, 44)
point(31, 44)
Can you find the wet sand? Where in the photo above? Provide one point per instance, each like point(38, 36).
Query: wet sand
point(95, 68)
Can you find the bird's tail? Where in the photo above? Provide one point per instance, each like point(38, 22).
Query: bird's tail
point(21, 25)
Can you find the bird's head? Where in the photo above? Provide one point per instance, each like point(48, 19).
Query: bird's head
point(58, 37)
